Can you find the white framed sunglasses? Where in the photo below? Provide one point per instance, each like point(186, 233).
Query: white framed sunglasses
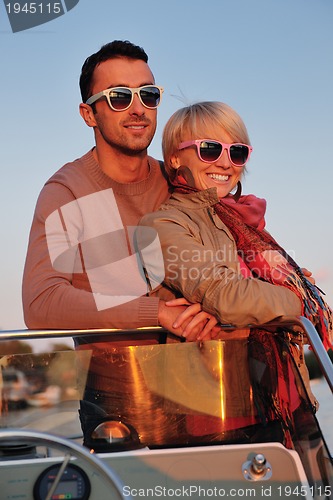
point(121, 98)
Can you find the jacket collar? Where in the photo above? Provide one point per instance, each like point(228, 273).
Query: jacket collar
point(195, 201)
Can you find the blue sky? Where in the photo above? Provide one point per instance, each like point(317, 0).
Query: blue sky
point(269, 59)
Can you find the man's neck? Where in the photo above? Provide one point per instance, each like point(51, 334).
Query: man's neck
point(123, 168)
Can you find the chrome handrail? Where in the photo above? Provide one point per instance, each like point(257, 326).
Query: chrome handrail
point(25, 334)
point(319, 350)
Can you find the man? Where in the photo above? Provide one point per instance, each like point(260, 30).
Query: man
point(81, 269)
point(66, 279)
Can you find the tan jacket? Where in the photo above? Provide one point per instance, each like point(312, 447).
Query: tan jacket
point(201, 262)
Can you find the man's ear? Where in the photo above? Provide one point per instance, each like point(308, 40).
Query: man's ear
point(87, 114)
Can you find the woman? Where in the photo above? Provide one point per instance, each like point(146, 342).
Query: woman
point(215, 248)
point(216, 252)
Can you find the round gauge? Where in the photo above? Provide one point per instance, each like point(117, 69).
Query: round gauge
point(73, 484)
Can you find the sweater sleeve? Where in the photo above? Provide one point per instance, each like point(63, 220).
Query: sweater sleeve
point(203, 275)
point(55, 296)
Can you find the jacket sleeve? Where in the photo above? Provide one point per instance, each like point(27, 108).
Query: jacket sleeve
point(213, 278)
point(60, 297)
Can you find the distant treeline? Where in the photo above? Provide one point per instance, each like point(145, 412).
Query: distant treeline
point(313, 365)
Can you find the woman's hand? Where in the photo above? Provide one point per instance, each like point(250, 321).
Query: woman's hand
point(308, 275)
point(195, 323)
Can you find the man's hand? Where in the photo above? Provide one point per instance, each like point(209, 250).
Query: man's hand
point(187, 320)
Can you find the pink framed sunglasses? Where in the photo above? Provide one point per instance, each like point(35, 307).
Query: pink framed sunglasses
point(210, 151)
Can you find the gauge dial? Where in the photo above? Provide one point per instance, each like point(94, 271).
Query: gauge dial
point(73, 485)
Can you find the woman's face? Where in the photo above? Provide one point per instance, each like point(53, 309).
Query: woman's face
point(221, 174)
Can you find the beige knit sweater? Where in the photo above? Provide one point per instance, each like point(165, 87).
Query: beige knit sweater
point(56, 296)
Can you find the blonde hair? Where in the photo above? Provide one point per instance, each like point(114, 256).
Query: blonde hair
point(203, 120)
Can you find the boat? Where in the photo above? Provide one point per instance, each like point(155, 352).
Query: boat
point(168, 418)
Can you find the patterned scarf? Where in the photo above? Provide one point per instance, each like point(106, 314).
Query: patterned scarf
point(268, 261)
point(263, 256)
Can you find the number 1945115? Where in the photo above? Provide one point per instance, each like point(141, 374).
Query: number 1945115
point(34, 8)
point(302, 491)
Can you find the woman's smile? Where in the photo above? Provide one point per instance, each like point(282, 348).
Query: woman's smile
point(223, 181)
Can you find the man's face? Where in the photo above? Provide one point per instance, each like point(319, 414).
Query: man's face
point(130, 131)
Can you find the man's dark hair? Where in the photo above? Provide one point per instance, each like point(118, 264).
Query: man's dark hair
point(112, 50)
